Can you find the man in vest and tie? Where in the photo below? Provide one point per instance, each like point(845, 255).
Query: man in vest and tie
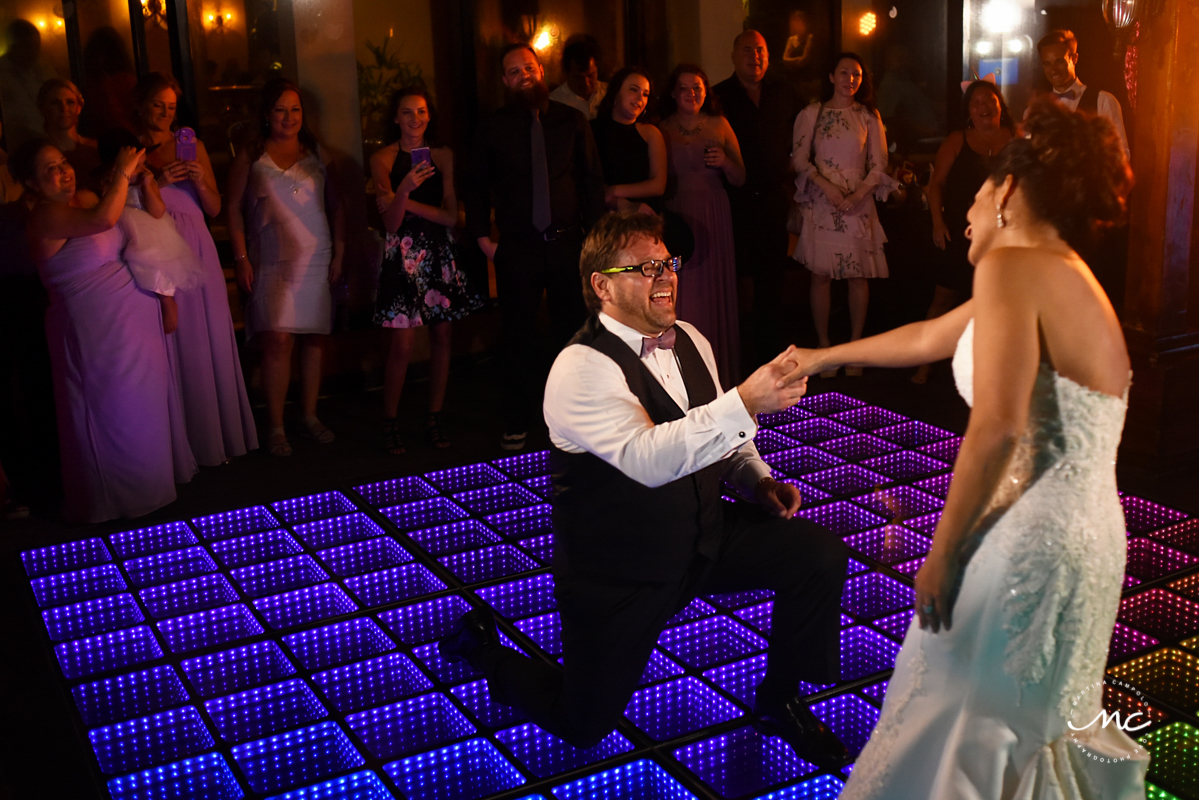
point(643, 438)
point(1059, 59)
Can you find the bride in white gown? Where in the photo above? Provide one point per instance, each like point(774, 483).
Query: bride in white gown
point(1016, 602)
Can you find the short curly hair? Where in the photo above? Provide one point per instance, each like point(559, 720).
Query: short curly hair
point(1072, 169)
point(610, 236)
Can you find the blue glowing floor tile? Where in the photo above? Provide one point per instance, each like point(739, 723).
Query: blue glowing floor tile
point(822, 787)
point(522, 523)
point(545, 631)
point(393, 585)
point(467, 771)
point(479, 705)
point(938, 484)
point(905, 465)
point(944, 450)
point(255, 548)
point(542, 486)
point(461, 479)
point(829, 403)
point(801, 460)
point(371, 555)
point(425, 622)
point(425, 513)
point(393, 492)
point(895, 625)
point(255, 713)
point(171, 566)
point(540, 547)
point(466, 534)
point(90, 617)
point(293, 759)
point(842, 517)
point(488, 563)
point(710, 641)
point(815, 430)
point(65, 557)
point(770, 441)
point(757, 617)
point(364, 785)
point(312, 507)
point(854, 567)
point(659, 668)
point(868, 418)
point(156, 539)
point(448, 672)
point(865, 652)
point(192, 594)
point(371, 683)
point(640, 780)
point(696, 609)
point(858, 446)
point(496, 499)
point(873, 594)
point(850, 717)
point(875, 692)
point(666, 710)
point(410, 726)
point(913, 433)
point(206, 776)
point(740, 679)
point(124, 648)
point(846, 479)
point(526, 597)
point(890, 544)
point(209, 628)
point(82, 584)
point(235, 523)
point(324, 533)
point(340, 643)
point(734, 600)
point(240, 668)
point(525, 465)
point(899, 502)
point(792, 414)
point(544, 754)
point(302, 606)
point(743, 761)
point(134, 694)
point(150, 741)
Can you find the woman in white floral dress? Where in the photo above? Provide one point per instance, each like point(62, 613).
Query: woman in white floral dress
point(840, 157)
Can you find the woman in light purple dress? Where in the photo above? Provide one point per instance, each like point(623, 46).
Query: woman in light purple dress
point(220, 423)
point(120, 424)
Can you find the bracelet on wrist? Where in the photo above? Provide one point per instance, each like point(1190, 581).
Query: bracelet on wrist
point(240, 258)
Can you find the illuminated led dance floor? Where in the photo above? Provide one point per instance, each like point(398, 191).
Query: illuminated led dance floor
point(289, 650)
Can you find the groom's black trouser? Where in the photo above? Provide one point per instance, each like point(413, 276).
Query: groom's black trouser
point(609, 625)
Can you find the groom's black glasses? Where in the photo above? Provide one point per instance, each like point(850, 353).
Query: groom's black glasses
point(650, 269)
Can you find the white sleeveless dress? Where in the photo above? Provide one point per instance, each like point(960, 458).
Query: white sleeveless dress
point(980, 712)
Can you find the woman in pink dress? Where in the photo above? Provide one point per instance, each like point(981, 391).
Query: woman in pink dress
point(220, 423)
point(702, 153)
point(120, 425)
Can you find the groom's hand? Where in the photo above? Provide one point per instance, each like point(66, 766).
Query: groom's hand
point(774, 386)
point(780, 499)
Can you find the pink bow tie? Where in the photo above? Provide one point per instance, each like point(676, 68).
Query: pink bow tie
point(649, 344)
point(1066, 95)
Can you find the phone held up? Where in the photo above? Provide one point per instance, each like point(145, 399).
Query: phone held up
point(421, 155)
point(185, 144)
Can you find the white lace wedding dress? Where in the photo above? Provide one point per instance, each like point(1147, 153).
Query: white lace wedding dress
point(980, 712)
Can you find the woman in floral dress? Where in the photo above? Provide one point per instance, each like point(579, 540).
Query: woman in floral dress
point(839, 155)
point(421, 284)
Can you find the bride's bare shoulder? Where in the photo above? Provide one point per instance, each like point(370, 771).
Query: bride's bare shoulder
point(1036, 273)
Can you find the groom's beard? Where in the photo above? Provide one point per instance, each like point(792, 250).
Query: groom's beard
point(530, 97)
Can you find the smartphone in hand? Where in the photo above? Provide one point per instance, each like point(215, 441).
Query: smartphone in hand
point(421, 155)
point(185, 144)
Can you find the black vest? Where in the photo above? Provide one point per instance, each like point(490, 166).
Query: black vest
point(607, 523)
point(1089, 101)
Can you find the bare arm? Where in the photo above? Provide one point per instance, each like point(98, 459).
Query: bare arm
point(205, 181)
point(335, 209)
point(945, 156)
point(239, 178)
point(151, 195)
point(57, 222)
point(402, 204)
point(655, 184)
point(734, 166)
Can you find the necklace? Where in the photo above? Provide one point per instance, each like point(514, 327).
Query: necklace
point(689, 131)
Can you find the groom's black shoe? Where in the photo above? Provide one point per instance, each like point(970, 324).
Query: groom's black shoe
point(810, 738)
point(475, 629)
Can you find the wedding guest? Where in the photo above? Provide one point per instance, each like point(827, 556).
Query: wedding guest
point(631, 150)
point(1058, 51)
point(60, 102)
point(582, 88)
point(22, 73)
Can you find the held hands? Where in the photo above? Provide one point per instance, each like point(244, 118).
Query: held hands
point(801, 363)
point(936, 590)
point(174, 172)
point(940, 233)
point(129, 160)
point(780, 499)
point(851, 200)
point(415, 177)
point(715, 157)
point(383, 200)
point(775, 385)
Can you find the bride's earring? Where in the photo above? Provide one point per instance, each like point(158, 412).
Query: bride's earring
point(1000, 222)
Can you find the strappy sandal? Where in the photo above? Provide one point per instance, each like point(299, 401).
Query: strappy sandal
point(315, 430)
point(392, 443)
point(277, 444)
point(435, 431)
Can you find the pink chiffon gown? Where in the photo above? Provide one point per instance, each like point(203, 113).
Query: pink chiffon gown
point(120, 421)
point(220, 423)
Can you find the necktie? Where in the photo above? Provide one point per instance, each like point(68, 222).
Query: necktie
point(1066, 95)
point(649, 343)
point(541, 176)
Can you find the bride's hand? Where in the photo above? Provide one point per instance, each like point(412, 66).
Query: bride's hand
point(801, 363)
point(935, 585)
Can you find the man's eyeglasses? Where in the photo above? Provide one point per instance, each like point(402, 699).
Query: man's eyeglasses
point(650, 269)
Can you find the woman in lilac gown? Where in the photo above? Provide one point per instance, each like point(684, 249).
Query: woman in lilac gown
point(702, 153)
point(220, 423)
point(120, 424)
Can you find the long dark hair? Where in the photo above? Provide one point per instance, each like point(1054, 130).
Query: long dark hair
point(392, 133)
point(616, 84)
point(1005, 118)
point(667, 104)
point(272, 90)
point(865, 92)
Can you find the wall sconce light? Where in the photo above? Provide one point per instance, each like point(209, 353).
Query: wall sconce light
point(155, 11)
point(1122, 17)
point(216, 21)
point(867, 23)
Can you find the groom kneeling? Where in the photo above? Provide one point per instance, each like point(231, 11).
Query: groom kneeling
point(642, 438)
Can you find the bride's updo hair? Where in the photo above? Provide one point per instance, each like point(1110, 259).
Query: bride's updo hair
point(1072, 169)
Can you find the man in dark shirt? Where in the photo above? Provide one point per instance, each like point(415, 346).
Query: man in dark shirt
point(535, 161)
point(762, 111)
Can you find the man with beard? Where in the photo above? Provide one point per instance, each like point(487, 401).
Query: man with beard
point(642, 438)
point(535, 161)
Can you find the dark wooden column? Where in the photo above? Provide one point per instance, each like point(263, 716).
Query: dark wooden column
point(1161, 309)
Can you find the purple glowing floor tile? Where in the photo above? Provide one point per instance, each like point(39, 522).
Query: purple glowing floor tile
point(829, 403)
point(394, 585)
point(769, 441)
point(660, 667)
point(706, 642)
point(1160, 614)
point(367, 684)
point(206, 776)
point(873, 594)
point(865, 652)
point(337, 644)
point(801, 460)
point(540, 547)
point(938, 484)
point(822, 787)
point(808, 494)
point(209, 628)
point(364, 785)
point(544, 754)
point(255, 548)
point(1149, 559)
point(310, 604)
point(846, 620)
point(666, 710)
point(743, 761)
point(370, 555)
point(461, 479)
point(640, 780)
point(523, 522)
point(447, 672)
point(850, 717)
point(243, 667)
point(192, 594)
point(149, 741)
point(792, 414)
point(525, 465)
point(255, 713)
point(156, 539)
point(409, 726)
point(842, 517)
point(496, 499)
point(890, 544)
point(425, 513)
point(313, 507)
point(895, 625)
point(757, 617)
point(541, 485)
point(228, 524)
point(905, 465)
point(477, 699)
point(90, 617)
point(1128, 641)
point(910, 567)
point(735, 600)
point(875, 692)
point(79, 658)
point(1181, 536)
point(468, 771)
point(925, 524)
point(858, 446)
point(740, 679)
point(167, 567)
point(425, 622)
point(82, 584)
point(1130, 581)
point(854, 567)
point(945, 450)
point(900, 502)
point(133, 694)
point(846, 479)
point(1141, 515)
point(258, 580)
point(396, 491)
point(815, 430)
point(696, 609)
point(65, 557)
point(293, 759)
point(545, 631)
point(489, 563)
point(868, 418)
point(466, 534)
point(913, 433)
point(325, 533)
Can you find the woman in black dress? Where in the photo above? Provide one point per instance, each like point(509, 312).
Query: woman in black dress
point(631, 150)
